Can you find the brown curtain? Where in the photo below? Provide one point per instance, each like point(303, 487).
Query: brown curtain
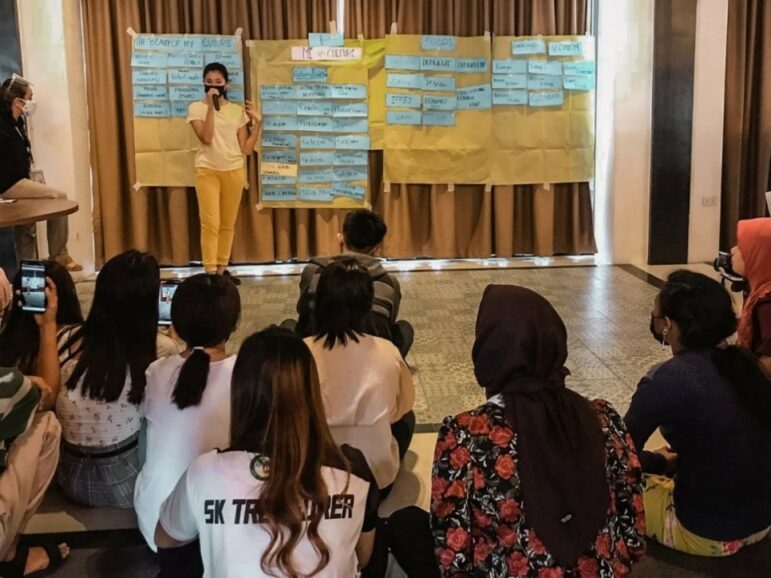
point(429, 220)
point(747, 128)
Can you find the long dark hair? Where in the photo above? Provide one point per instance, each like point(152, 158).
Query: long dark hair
point(277, 411)
point(704, 314)
point(204, 312)
point(119, 334)
point(11, 89)
point(20, 338)
point(343, 301)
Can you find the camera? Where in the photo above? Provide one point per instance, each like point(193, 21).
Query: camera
point(724, 266)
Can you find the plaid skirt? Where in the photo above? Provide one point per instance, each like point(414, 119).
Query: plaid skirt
point(103, 476)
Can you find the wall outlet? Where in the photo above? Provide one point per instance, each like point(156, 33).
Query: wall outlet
point(709, 201)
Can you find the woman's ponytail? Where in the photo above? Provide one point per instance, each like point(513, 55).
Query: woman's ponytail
point(192, 379)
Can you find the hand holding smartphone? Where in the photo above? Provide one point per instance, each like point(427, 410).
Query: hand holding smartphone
point(165, 296)
point(33, 287)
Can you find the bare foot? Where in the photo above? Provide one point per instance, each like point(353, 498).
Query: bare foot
point(38, 558)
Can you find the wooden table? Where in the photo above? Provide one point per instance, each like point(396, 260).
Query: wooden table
point(25, 211)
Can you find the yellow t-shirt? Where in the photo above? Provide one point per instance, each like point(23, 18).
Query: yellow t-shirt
point(224, 152)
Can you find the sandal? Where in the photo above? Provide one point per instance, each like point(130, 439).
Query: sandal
point(68, 263)
point(15, 568)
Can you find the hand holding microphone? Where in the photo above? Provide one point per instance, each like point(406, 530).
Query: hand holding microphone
point(213, 94)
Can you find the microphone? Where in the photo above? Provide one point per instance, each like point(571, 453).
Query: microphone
point(216, 100)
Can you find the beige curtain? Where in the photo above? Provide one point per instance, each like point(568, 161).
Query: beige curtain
point(747, 128)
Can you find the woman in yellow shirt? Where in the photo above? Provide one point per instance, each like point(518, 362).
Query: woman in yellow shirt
point(227, 133)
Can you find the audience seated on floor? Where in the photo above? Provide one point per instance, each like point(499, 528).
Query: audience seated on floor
point(366, 386)
point(361, 239)
point(187, 401)
point(29, 453)
point(707, 493)
point(103, 364)
point(283, 499)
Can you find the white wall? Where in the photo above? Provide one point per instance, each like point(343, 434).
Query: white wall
point(52, 58)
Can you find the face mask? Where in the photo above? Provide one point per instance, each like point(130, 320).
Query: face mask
point(659, 337)
point(220, 89)
point(29, 108)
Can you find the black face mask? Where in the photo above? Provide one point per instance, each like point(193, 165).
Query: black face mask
point(656, 335)
point(221, 89)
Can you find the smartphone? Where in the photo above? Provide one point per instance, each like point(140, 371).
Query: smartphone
point(166, 294)
point(33, 286)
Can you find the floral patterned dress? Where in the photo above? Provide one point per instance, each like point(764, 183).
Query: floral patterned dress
point(479, 515)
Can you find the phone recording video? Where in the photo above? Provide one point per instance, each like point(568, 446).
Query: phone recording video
point(33, 285)
point(164, 301)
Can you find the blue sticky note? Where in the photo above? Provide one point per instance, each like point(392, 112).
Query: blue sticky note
point(351, 125)
point(349, 190)
point(148, 76)
point(414, 81)
point(185, 76)
point(437, 63)
point(349, 90)
point(325, 39)
point(317, 142)
point(439, 83)
point(277, 91)
point(179, 109)
point(152, 109)
point(471, 65)
point(282, 123)
point(316, 194)
point(285, 107)
point(314, 108)
point(474, 97)
point(401, 100)
point(313, 91)
point(229, 61)
point(509, 66)
point(351, 158)
point(277, 180)
point(565, 48)
point(509, 81)
point(186, 60)
point(348, 174)
point(579, 68)
point(400, 62)
point(439, 118)
point(149, 59)
point(544, 82)
point(236, 76)
point(287, 156)
point(186, 93)
point(536, 66)
point(403, 117)
point(554, 68)
point(547, 98)
point(219, 44)
point(309, 74)
point(315, 124)
point(509, 97)
point(431, 102)
point(353, 142)
point(317, 159)
point(316, 176)
point(168, 42)
point(437, 42)
point(357, 109)
point(578, 82)
point(151, 92)
point(236, 94)
point(528, 46)
point(278, 140)
point(277, 195)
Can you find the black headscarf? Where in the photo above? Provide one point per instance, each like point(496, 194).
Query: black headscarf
point(519, 353)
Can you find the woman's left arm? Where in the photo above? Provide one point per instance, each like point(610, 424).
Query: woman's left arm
point(48, 351)
point(247, 139)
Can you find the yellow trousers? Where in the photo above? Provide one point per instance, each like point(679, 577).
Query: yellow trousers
point(219, 196)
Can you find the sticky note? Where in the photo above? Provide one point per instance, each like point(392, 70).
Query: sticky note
point(168, 42)
point(277, 195)
point(528, 46)
point(324, 39)
point(185, 77)
point(316, 194)
point(219, 44)
point(314, 108)
point(348, 174)
point(352, 142)
point(278, 140)
point(349, 90)
point(179, 109)
point(309, 74)
point(317, 142)
point(509, 97)
point(399, 62)
point(191, 60)
point(351, 158)
point(439, 83)
point(277, 91)
point(236, 95)
point(437, 42)
point(579, 68)
point(152, 109)
point(578, 82)
point(227, 60)
point(474, 97)
point(148, 76)
point(271, 156)
point(149, 59)
point(317, 159)
point(471, 65)
point(553, 68)
point(544, 82)
point(186, 93)
point(282, 169)
point(399, 100)
point(439, 118)
point(437, 63)
point(351, 125)
point(282, 123)
point(548, 98)
point(236, 76)
point(315, 124)
point(313, 91)
point(565, 48)
point(509, 66)
point(431, 102)
point(349, 190)
point(536, 66)
point(285, 107)
point(357, 109)
point(277, 180)
point(509, 81)
point(414, 81)
point(403, 117)
point(316, 175)
point(151, 92)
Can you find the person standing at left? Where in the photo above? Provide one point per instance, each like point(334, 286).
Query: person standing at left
point(227, 133)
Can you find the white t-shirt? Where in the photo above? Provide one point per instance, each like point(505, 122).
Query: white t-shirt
point(224, 152)
point(365, 386)
point(175, 437)
point(216, 500)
